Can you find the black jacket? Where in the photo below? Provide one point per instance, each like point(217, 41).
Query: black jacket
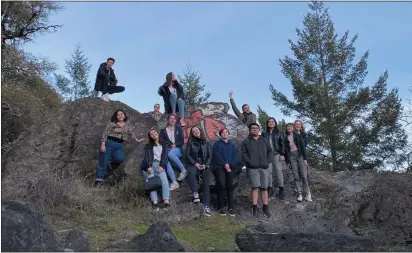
point(192, 150)
point(179, 137)
point(304, 137)
point(149, 157)
point(165, 93)
point(104, 75)
point(278, 142)
point(256, 153)
point(299, 144)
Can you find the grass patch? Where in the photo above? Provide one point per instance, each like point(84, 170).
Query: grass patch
point(217, 232)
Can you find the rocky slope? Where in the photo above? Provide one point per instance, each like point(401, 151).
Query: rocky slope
point(54, 162)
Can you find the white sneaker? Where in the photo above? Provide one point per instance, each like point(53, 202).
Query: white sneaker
point(308, 197)
point(105, 97)
point(174, 185)
point(182, 175)
point(196, 198)
point(300, 198)
point(207, 211)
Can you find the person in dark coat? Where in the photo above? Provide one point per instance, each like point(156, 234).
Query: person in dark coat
point(106, 80)
point(173, 97)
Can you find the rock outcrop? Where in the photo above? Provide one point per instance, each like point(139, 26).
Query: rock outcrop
point(24, 230)
point(158, 238)
point(250, 240)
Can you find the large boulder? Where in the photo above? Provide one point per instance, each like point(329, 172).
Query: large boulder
point(69, 141)
point(251, 239)
point(158, 238)
point(24, 230)
point(384, 210)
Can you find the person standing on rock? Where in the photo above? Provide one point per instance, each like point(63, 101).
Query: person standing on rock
point(276, 142)
point(106, 80)
point(257, 153)
point(173, 97)
point(173, 136)
point(225, 157)
point(199, 157)
point(156, 114)
point(299, 129)
point(154, 163)
point(247, 117)
point(116, 132)
point(296, 158)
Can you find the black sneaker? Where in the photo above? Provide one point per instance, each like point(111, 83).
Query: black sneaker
point(167, 206)
point(255, 212)
point(155, 207)
point(265, 211)
point(231, 212)
point(221, 212)
point(281, 193)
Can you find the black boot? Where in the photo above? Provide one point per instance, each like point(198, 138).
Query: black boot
point(281, 193)
point(270, 192)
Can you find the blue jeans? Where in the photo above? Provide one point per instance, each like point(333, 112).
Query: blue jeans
point(179, 102)
point(114, 150)
point(163, 178)
point(174, 156)
point(171, 172)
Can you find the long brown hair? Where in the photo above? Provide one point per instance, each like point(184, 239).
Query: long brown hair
point(192, 137)
point(303, 128)
point(151, 141)
point(169, 78)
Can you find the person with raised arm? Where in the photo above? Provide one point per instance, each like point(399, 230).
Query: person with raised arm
point(246, 116)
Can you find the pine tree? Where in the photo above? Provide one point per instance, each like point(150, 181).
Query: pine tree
point(262, 118)
point(193, 87)
point(356, 125)
point(78, 69)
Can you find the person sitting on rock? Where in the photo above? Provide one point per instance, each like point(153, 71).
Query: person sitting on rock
point(156, 114)
point(116, 132)
point(154, 163)
point(106, 80)
point(199, 157)
point(225, 157)
point(276, 142)
point(247, 117)
point(296, 158)
point(173, 136)
point(173, 97)
point(256, 153)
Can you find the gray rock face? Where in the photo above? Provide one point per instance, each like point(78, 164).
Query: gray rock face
point(77, 241)
point(159, 238)
point(252, 240)
point(69, 141)
point(24, 230)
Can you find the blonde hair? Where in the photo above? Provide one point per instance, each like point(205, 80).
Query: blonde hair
point(303, 128)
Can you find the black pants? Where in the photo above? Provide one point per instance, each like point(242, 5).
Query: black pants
point(106, 88)
point(204, 180)
point(224, 180)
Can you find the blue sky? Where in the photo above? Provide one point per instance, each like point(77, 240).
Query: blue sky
point(235, 45)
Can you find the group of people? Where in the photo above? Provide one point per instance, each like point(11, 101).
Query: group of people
point(262, 152)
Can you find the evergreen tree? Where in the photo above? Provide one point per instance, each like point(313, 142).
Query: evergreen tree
point(77, 68)
point(356, 125)
point(262, 118)
point(193, 87)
